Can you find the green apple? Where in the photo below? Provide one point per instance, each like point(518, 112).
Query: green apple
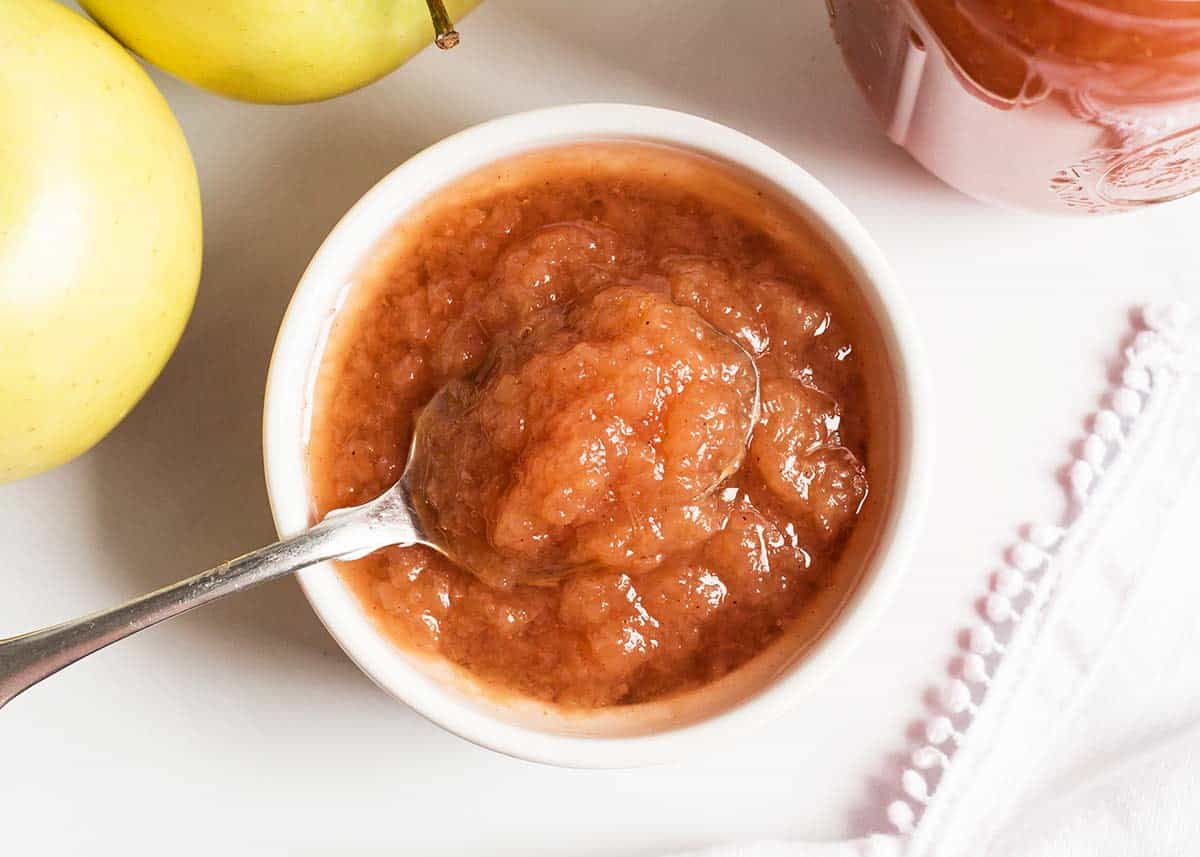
point(99, 234)
point(277, 51)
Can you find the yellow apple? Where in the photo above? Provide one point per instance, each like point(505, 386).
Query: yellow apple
point(99, 234)
point(274, 51)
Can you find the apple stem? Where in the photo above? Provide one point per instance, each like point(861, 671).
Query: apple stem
point(446, 36)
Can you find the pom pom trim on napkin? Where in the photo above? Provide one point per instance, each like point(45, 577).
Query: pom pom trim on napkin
point(999, 647)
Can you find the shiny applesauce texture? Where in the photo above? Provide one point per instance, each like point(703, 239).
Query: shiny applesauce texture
point(586, 455)
point(588, 435)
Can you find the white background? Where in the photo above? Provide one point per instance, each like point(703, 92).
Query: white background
point(243, 726)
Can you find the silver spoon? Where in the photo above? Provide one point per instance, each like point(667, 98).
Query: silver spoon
point(386, 520)
point(350, 533)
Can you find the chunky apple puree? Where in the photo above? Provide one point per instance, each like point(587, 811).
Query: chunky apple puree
point(590, 441)
point(588, 461)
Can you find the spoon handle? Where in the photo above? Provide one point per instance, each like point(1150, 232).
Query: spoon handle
point(29, 658)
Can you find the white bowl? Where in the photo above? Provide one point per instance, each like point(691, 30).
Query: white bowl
point(621, 736)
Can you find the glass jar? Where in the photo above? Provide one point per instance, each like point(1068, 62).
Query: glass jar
point(1083, 106)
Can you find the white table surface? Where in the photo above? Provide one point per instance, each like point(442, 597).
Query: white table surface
point(242, 726)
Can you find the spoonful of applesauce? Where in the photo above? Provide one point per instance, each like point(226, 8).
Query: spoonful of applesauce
point(590, 425)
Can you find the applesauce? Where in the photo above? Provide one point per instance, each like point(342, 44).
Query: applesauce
point(590, 458)
point(592, 441)
point(1117, 51)
point(1065, 106)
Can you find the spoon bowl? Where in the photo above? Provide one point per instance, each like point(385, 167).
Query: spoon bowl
point(500, 462)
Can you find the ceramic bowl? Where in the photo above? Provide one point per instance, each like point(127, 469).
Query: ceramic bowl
point(622, 736)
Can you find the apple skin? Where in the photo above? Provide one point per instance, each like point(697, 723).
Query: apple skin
point(100, 235)
point(273, 51)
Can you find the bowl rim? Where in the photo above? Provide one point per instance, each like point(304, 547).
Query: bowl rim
point(297, 352)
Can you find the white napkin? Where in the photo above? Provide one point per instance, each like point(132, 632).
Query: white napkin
point(1149, 804)
point(1073, 727)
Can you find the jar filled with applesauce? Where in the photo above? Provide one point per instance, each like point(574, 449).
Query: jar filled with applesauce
point(1084, 106)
